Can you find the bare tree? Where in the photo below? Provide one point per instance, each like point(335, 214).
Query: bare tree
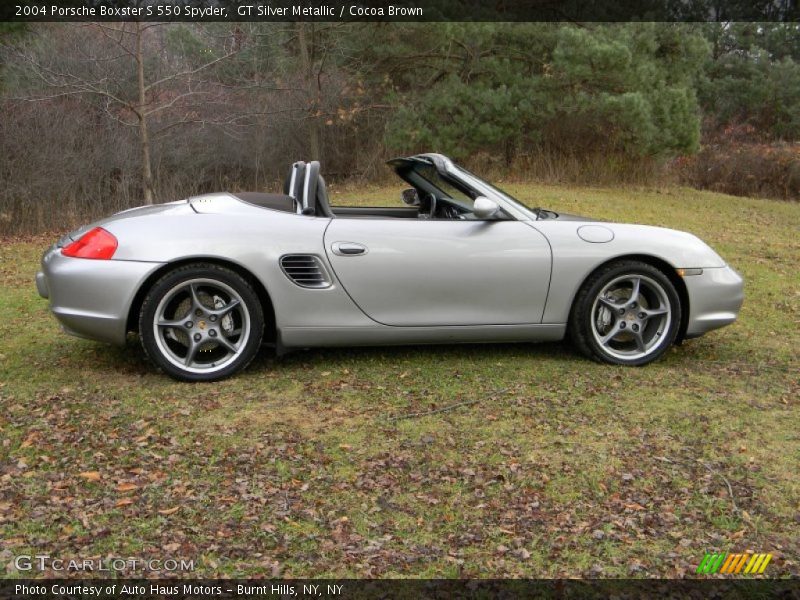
point(311, 75)
point(98, 117)
point(121, 64)
point(325, 82)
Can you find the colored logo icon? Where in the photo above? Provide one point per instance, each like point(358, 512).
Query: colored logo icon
point(729, 563)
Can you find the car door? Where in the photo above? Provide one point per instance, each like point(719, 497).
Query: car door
point(428, 272)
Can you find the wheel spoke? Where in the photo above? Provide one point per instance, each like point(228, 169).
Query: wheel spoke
point(609, 303)
point(195, 297)
point(191, 352)
point(635, 291)
point(608, 337)
point(173, 324)
point(654, 312)
point(227, 344)
point(637, 336)
point(221, 312)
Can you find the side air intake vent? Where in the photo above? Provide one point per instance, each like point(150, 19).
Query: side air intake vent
point(306, 270)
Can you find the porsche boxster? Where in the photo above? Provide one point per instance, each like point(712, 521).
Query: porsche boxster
point(207, 281)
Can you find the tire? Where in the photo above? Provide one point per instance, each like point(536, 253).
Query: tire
point(201, 322)
point(608, 324)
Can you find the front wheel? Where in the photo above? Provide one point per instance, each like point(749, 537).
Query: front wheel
point(627, 313)
point(201, 322)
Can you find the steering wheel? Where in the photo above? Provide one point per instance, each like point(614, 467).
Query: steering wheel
point(450, 212)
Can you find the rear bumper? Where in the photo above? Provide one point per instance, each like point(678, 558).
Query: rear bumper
point(715, 298)
point(41, 285)
point(91, 298)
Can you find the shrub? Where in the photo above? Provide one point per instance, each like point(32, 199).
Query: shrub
point(745, 169)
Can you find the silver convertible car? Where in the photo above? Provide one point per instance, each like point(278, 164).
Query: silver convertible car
point(206, 281)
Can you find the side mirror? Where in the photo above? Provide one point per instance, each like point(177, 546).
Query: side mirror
point(484, 208)
point(410, 197)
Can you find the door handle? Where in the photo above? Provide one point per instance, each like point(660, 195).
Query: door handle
point(348, 249)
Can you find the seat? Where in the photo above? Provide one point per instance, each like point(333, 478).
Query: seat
point(315, 193)
point(323, 206)
point(293, 186)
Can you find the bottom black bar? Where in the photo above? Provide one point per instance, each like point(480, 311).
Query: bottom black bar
point(303, 589)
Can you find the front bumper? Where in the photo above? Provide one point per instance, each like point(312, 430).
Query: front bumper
point(91, 298)
point(715, 297)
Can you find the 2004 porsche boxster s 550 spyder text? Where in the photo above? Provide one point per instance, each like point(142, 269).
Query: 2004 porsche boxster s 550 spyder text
point(205, 281)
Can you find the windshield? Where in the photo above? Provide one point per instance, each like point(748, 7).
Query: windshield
point(430, 174)
point(438, 175)
point(479, 183)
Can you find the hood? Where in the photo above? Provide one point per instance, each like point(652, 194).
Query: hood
point(551, 215)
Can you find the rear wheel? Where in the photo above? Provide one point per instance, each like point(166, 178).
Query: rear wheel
point(201, 322)
point(626, 313)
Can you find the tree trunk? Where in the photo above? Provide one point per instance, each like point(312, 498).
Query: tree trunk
point(141, 113)
point(311, 93)
point(147, 172)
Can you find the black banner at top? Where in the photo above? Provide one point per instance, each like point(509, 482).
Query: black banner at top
point(399, 10)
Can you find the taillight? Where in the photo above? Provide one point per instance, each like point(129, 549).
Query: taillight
point(96, 243)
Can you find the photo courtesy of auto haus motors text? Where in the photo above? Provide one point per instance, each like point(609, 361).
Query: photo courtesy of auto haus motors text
point(425, 299)
point(138, 589)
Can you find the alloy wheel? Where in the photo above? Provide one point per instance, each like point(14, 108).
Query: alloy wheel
point(201, 325)
point(631, 316)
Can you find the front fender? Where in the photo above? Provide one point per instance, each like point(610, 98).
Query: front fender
point(574, 259)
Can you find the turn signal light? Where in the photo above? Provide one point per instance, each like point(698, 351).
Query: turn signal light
point(96, 243)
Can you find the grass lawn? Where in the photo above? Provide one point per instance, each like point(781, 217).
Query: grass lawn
point(305, 467)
